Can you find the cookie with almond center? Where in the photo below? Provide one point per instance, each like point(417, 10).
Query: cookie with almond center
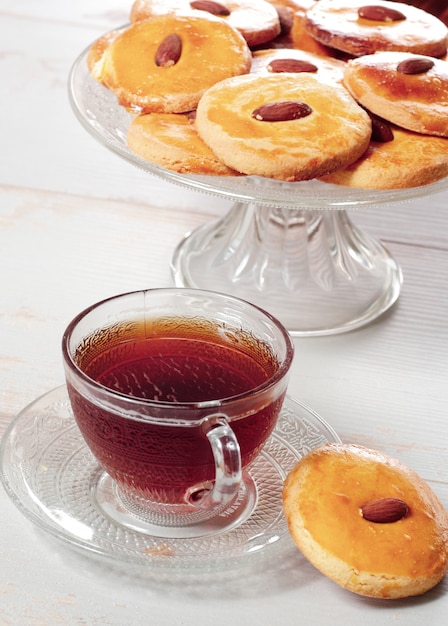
point(284, 126)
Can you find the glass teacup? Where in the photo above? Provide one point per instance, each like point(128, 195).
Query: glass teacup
point(175, 392)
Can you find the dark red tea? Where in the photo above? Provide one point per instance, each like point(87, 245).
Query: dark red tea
point(172, 361)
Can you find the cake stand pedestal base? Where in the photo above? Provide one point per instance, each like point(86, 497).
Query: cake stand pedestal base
point(312, 269)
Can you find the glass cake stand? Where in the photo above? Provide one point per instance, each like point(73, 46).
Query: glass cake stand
point(291, 248)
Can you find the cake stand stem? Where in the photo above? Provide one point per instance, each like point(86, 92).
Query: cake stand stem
point(312, 269)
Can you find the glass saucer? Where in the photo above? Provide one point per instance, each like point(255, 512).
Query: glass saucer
point(53, 479)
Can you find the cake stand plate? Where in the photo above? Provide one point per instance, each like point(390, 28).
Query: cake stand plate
point(290, 248)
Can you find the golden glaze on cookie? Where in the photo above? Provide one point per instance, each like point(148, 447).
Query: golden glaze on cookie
point(277, 60)
point(336, 23)
point(96, 52)
point(256, 20)
point(409, 160)
point(416, 101)
point(170, 140)
point(323, 500)
point(336, 131)
point(211, 51)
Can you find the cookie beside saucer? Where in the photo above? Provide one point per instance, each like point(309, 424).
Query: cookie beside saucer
point(367, 521)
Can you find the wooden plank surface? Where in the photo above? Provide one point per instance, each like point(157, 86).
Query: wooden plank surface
point(77, 223)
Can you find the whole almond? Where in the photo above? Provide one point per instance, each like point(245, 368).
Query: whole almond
point(281, 111)
point(378, 13)
point(291, 65)
point(415, 65)
point(384, 510)
point(215, 8)
point(169, 51)
point(381, 131)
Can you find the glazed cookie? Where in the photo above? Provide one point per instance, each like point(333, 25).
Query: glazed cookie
point(367, 521)
point(256, 20)
point(293, 34)
point(295, 61)
point(361, 27)
point(396, 158)
point(284, 126)
point(170, 140)
point(164, 64)
point(408, 90)
point(97, 50)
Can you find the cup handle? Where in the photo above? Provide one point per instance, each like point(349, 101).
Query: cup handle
point(228, 471)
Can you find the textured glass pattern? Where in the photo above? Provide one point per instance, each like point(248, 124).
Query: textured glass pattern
point(54, 481)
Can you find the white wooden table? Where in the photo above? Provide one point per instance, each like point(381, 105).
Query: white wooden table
point(77, 224)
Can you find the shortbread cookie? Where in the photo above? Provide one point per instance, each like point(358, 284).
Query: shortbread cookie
point(164, 64)
point(367, 521)
point(293, 34)
point(170, 140)
point(256, 20)
point(401, 159)
point(295, 61)
point(284, 126)
point(408, 90)
point(361, 27)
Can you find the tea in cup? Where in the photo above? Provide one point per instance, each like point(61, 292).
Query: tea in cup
point(176, 391)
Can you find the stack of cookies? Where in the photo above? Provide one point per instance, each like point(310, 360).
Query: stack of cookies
point(352, 92)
